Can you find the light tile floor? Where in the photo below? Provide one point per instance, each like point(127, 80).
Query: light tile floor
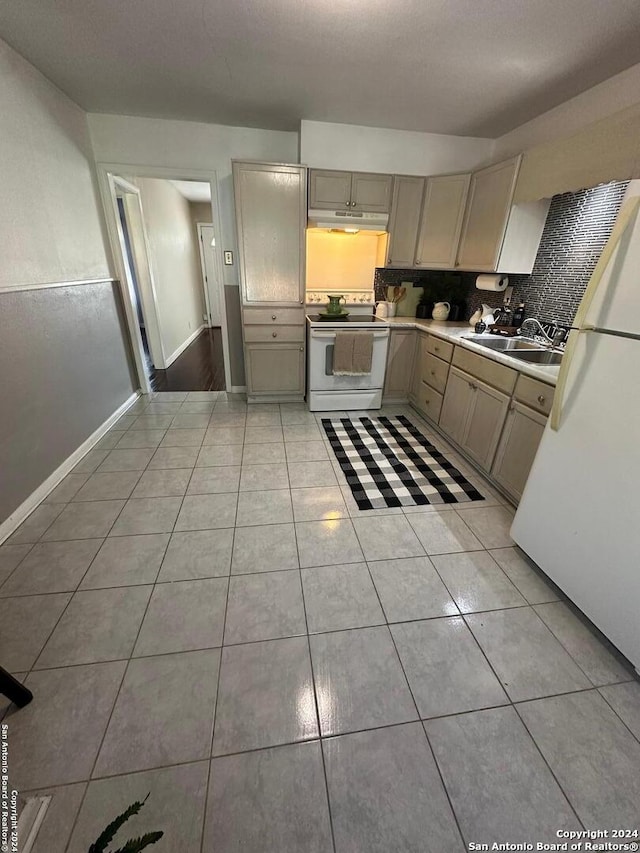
point(203, 613)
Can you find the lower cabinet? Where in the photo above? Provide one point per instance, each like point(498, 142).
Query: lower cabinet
point(275, 369)
point(473, 414)
point(397, 382)
point(517, 449)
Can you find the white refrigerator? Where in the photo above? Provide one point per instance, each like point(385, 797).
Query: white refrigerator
point(579, 517)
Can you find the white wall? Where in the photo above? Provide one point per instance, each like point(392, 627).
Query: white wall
point(191, 145)
point(175, 262)
point(50, 226)
point(603, 100)
point(373, 149)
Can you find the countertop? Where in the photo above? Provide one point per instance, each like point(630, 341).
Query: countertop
point(454, 333)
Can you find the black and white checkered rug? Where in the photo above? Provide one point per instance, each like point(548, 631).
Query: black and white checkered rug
point(388, 462)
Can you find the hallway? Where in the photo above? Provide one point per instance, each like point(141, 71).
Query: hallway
point(199, 368)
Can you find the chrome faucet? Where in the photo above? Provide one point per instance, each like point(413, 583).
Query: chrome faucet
point(554, 340)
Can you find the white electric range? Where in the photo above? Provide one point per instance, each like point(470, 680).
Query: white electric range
point(326, 392)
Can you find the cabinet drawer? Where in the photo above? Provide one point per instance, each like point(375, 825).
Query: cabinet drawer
point(489, 371)
point(536, 394)
point(434, 372)
point(443, 349)
point(429, 401)
point(269, 316)
point(267, 334)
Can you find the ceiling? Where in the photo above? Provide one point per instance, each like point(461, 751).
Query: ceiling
point(469, 67)
point(193, 190)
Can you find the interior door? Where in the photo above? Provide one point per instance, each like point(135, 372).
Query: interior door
point(212, 290)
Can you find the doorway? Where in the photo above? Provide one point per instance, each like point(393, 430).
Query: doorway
point(163, 231)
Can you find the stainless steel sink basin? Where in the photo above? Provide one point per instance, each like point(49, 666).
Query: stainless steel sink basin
point(538, 356)
point(503, 344)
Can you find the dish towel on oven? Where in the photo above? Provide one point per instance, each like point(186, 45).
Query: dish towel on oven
point(352, 353)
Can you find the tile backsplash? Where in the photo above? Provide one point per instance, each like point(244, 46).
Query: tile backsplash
point(577, 227)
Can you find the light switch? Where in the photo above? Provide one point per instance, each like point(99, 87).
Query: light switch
point(228, 258)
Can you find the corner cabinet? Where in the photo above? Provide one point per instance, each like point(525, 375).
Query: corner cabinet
point(334, 190)
point(271, 212)
point(465, 221)
point(498, 236)
point(441, 221)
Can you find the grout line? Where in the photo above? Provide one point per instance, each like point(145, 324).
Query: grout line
point(411, 693)
point(215, 704)
point(315, 696)
point(599, 690)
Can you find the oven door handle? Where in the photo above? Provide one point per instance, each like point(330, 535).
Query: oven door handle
point(380, 333)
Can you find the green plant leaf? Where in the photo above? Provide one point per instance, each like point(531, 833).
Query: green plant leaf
point(134, 845)
point(108, 834)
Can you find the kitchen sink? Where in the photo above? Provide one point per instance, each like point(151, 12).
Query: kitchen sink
point(503, 344)
point(539, 356)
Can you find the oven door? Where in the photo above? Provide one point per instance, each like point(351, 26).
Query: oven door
point(321, 378)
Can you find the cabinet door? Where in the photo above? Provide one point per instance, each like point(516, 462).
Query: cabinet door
point(400, 363)
point(487, 412)
point(329, 190)
point(517, 449)
point(271, 216)
point(488, 206)
point(371, 192)
point(274, 368)
point(456, 405)
point(404, 221)
point(441, 222)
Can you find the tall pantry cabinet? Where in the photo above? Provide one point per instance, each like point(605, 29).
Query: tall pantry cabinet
point(271, 214)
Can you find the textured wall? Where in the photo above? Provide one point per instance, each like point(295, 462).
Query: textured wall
point(66, 371)
point(577, 227)
point(50, 223)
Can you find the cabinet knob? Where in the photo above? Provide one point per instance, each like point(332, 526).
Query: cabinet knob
point(348, 203)
point(436, 349)
point(274, 317)
point(473, 386)
point(541, 398)
point(418, 260)
point(301, 349)
point(433, 373)
point(274, 334)
point(353, 204)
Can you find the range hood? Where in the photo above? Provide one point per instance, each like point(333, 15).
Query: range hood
point(348, 220)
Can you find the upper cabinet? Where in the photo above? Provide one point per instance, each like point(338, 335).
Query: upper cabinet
point(405, 220)
point(490, 195)
point(465, 221)
point(271, 212)
point(333, 190)
point(441, 221)
point(497, 235)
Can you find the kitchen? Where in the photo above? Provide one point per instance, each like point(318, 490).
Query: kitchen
point(377, 594)
point(488, 389)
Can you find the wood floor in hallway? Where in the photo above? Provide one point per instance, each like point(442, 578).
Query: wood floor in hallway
point(199, 368)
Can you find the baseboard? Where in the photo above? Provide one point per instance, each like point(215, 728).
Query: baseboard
point(238, 389)
point(35, 498)
point(169, 361)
